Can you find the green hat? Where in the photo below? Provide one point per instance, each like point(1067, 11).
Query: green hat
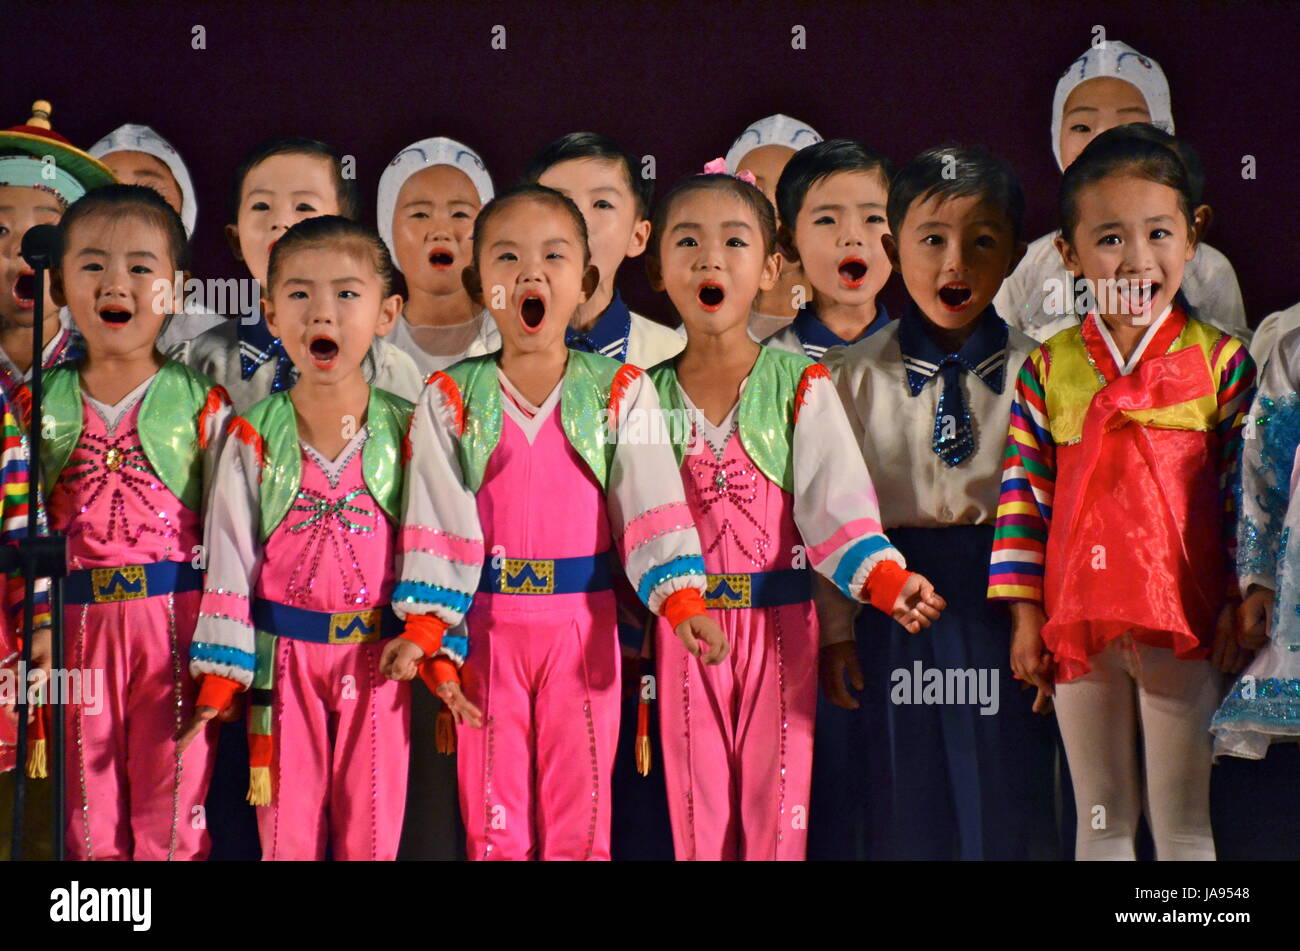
point(37, 139)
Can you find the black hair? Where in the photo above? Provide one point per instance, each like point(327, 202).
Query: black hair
point(345, 189)
point(131, 201)
point(1128, 149)
point(530, 191)
point(810, 165)
point(1190, 159)
point(592, 145)
point(954, 171)
point(333, 231)
point(738, 188)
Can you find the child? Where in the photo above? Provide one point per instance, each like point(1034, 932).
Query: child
point(969, 778)
point(34, 192)
point(1108, 86)
point(138, 155)
point(128, 462)
point(428, 198)
point(301, 570)
point(763, 150)
point(832, 198)
point(278, 184)
point(607, 185)
point(490, 438)
point(1110, 540)
point(770, 488)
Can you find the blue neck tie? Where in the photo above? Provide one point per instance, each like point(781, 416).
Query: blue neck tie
point(954, 439)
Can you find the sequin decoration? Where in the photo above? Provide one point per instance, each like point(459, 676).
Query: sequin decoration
point(102, 472)
point(330, 523)
point(731, 485)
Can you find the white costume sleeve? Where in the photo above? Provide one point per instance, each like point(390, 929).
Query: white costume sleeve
point(212, 436)
point(1210, 286)
point(647, 504)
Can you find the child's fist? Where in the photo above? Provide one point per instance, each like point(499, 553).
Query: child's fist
point(837, 660)
point(458, 704)
point(400, 659)
point(703, 628)
point(917, 605)
point(196, 725)
point(1255, 618)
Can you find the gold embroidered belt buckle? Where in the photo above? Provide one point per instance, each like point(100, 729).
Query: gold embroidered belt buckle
point(119, 583)
point(527, 576)
point(356, 627)
point(728, 591)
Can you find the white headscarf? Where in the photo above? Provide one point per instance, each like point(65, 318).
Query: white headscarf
point(141, 138)
point(1119, 61)
point(416, 157)
point(774, 130)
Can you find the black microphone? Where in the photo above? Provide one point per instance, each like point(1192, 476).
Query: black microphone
point(42, 246)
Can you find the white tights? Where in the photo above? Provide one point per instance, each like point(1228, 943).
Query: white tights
point(1134, 687)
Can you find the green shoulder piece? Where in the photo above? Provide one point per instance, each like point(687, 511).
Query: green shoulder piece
point(664, 377)
point(480, 396)
point(766, 414)
point(61, 405)
point(387, 419)
point(276, 423)
point(168, 426)
point(584, 398)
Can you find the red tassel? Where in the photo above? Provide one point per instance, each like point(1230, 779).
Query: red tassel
point(242, 430)
point(623, 379)
point(815, 372)
point(217, 398)
point(451, 393)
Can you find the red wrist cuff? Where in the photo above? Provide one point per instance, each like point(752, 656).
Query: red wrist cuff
point(682, 605)
point(883, 584)
point(437, 672)
point(217, 691)
point(425, 632)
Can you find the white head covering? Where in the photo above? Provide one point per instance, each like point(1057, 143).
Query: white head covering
point(141, 138)
point(1119, 61)
point(415, 158)
point(774, 130)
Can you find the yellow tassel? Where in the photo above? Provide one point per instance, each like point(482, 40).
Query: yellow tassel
point(37, 768)
point(445, 732)
point(259, 785)
point(643, 757)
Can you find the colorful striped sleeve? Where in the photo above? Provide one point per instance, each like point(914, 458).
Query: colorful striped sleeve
point(1235, 371)
point(1028, 482)
point(17, 504)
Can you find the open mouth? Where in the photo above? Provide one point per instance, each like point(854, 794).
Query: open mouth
point(532, 309)
point(954, 296)
point(711, 296)
point(24, 289)
point(440, 258)
point(852, 272)
point(323, 350)
point(116, 316)
point(1136, 296)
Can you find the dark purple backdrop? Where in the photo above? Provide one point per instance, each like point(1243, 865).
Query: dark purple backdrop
point(676, 81)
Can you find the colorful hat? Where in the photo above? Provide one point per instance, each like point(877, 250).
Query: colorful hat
point(70, 175)
point(415, 158)
point(1118, 61)
point(141, 138)
point(774, 130)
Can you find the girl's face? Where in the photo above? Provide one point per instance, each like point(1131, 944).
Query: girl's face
point(327, 307)
point(279, 192)
point(433, 224)
point(1095, 106)
point(712, 260)
point(1132, 243)
point(117, 280)
point(20, 209)
point(532, 274)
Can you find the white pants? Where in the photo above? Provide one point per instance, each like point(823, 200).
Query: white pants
point(1134, 687)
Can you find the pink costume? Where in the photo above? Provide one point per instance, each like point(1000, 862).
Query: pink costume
point(546, 492)
point(772, 491)
point(296, 607)
point(129, 482)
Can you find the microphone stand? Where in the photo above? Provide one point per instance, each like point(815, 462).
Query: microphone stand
point(40, 556)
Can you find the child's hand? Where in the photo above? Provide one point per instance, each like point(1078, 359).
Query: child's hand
point(459, 706)
point(1255, 618)
point(1030, 659)
point(704, 628)
point(400, 659)
point(917, 605)
point(837, 660)
point(1226, 654)
point(200, 720)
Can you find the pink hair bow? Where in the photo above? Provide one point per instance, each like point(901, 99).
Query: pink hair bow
point(719, 167)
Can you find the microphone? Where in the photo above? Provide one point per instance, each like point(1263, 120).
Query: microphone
point(42, 247)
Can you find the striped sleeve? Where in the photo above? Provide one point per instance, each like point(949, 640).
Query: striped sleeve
point(1028, 484)
point(17, 505)
point(1235, 372)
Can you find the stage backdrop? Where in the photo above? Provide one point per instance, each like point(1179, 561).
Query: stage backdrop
point(678, 82)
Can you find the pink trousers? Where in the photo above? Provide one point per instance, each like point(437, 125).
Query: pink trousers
point(342, 737)
point(738, 737)
point(130, 797)
point(535, 779)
